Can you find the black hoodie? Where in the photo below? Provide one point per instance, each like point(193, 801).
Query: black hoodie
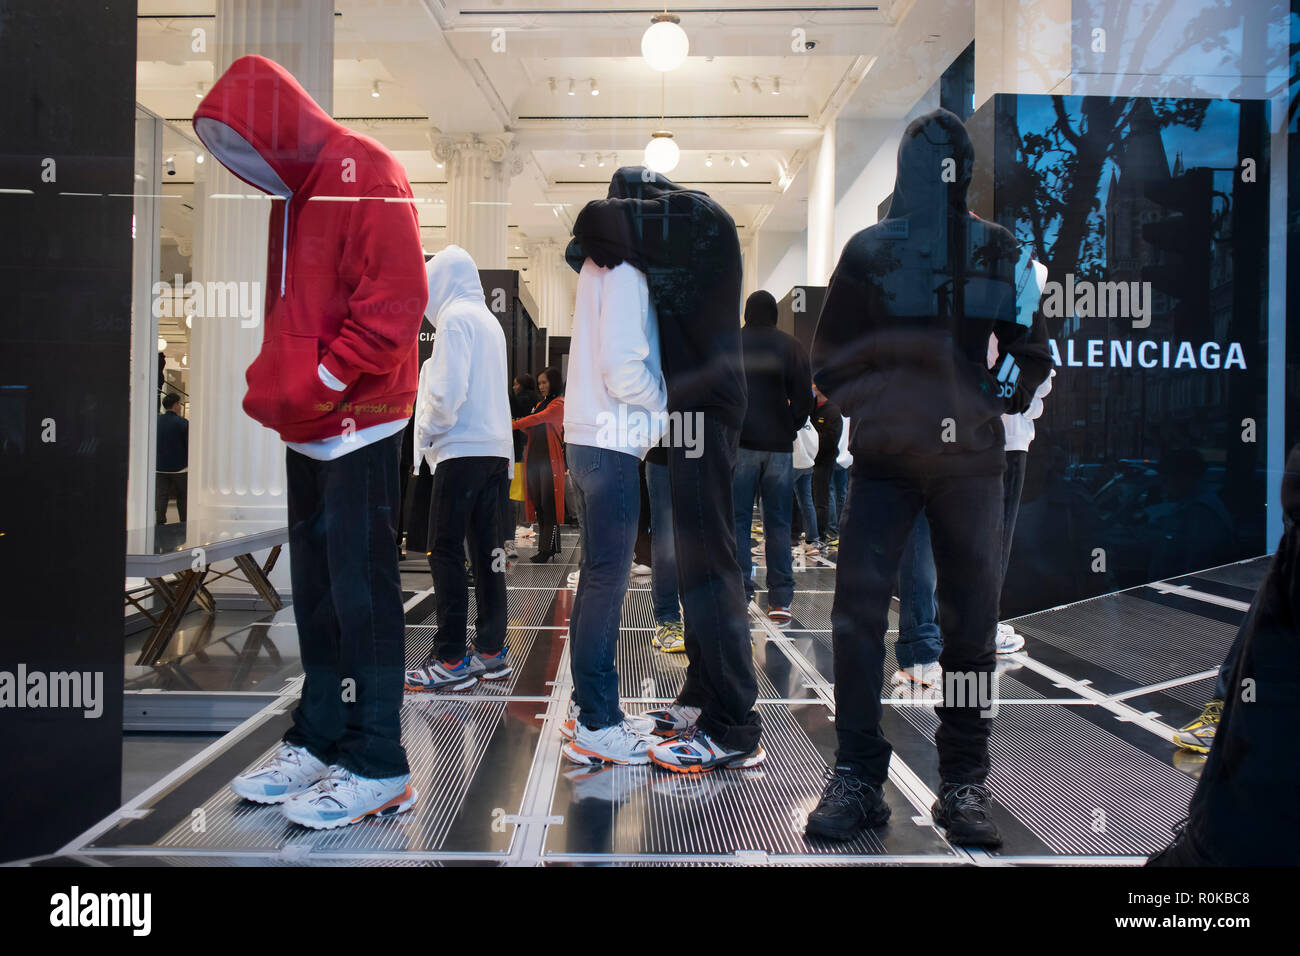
point(686, 245)
point(777, 376)
point(902, 341)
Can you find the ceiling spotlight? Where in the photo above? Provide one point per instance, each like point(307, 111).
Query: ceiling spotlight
point(600, 161)
point(162, 344)
point(374, 89)
point(776, 86)
point(595, 90)
point(198, 91)
point(735, 84)
point(582, 160)
point(198, 158)
point(571, 93)
point(753, 85)
point(170, 165)
point(665, 44)
point(744, 161)
point(189, 321)
point(728, 160)
point(551, 81)
point(708, 160)
point(185, 360)
point(661, 153)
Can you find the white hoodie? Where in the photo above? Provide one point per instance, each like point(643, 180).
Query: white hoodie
point(615, 396)
point(806, 441)
point(462, 409)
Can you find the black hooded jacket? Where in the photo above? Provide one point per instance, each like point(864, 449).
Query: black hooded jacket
point(686, 245)
point(777, 376)
point(902, 341)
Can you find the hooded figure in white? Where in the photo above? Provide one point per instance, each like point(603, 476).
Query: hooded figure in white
point(462, 407)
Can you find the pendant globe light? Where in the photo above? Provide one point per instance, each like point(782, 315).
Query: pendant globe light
point(661, 153)
point(665, 44)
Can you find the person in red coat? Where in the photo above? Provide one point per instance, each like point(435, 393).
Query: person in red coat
point(544, 464)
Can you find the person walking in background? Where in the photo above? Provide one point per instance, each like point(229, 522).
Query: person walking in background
point(173, 459)
point(462, 431)
point(839, 486)
point(544, 464)
point(779, 384)
point(803, 457)
point(828, 421)
point(523, 399)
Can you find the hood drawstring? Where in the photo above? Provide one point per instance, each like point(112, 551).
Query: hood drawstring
point(284, 246)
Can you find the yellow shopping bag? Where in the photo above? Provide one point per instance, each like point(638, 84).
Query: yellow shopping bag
point(517, 485)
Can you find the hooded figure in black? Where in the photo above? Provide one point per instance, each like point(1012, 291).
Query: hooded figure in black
point(1244, 810)
point(777, 377)
point(902, 348)
point(686, 245)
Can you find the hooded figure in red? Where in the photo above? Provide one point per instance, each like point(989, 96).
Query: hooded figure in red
point(346, 281)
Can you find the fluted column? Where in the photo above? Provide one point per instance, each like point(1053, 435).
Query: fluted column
point(821, 211)
point(236, 465)
point(479, 170)
point(551, 282)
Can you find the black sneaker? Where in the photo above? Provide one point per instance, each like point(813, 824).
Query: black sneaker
point(848, 805)
point(965, 811)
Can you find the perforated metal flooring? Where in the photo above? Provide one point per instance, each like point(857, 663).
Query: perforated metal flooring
point(1082, 765)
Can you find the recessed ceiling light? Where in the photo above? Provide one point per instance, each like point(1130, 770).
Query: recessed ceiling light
point(708, 160)
point(595, 90)
point(571, 93)
point(582, 160)
point(600, 161)
point(374, 89)
point(776, 86)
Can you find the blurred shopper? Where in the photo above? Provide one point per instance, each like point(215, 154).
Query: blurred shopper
point(172, 463)
point(462, 431)
point(336, 377)
point(839, 486)
point(901, 346)
point(523, 398)
point(669, 635)
point(687, 246)
point(803, 457)
point(544, 464)
point(1243, 812)
point(614, 413)
point(779, 382)
point(828, 421)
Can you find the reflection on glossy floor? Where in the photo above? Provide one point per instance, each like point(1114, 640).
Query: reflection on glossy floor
point(1083, 770)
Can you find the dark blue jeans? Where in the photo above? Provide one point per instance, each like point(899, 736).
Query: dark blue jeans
point(803, 494)
point(919, 639)
point(770, 474)
point(347, 603)
point(607, 495)
point(663, 566)
point(839, 491)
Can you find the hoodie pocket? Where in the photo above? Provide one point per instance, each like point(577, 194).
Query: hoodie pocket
point(284, 387)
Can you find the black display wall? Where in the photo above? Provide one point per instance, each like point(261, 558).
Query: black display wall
point(797, 312)
point(1151, 217)
point(510, 302)
point(66, 182)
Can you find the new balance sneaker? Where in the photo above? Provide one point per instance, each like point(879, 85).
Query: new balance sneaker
point(492, 666)
point(1008, 640)
point(694, 751)
point(672, 720)
point(288, 771)
point(1198, 736)
point(670, 637)
point(927, 675)
point(965, 811)
point(848, 805)
point(778, 615)
point(620, 744)
point(344, 798)
point(438, 675)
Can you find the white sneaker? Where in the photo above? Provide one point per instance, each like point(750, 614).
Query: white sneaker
point(511, 550)
point(927, 675)
point(639, 723)
point(1008, 640)
point(343, 798)
point(573, 579)
point(288, 771)
point(672, 720)
point(640, 570)
point(523, 531)
point(620, 744)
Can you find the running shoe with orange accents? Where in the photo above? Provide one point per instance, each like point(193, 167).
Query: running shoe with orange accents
point(343, 798)
point(694, 751)
point(620, 744)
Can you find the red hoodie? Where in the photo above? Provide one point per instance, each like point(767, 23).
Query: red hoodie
point(346, 280)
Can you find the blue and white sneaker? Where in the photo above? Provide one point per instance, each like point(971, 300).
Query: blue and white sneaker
point(286, 773)
point(343, 798)
point(492, 666)
point(671, 720)
point(694, 751)
point(438, 675)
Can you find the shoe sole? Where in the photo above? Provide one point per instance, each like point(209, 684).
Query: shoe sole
point(424, 689)
point(814, 829)
point(780, 622)
point(958, 839)
point(589, 758)
point(1194, 748)
point(676, 649)
point(399, 804)
point(498, 674)
point(738, 762)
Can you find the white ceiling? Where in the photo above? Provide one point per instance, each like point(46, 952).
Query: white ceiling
point(438, 72)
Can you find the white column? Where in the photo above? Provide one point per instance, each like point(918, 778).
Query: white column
point(821, 211)
point(551, 282)
point(749, 250)
point(479, 170)
point(236, 465)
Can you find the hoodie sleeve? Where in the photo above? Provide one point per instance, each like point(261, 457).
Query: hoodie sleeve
point(382, 253)
point(624, 345)
point(839, 349)
point(444, 385)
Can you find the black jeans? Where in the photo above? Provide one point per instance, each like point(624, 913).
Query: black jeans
point(347, 602)
point(720, 677)
point(169, 485)
point(965, 515)
point(821, 492)
point(541, 488)
point(1013, 484)
point(466, 504)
